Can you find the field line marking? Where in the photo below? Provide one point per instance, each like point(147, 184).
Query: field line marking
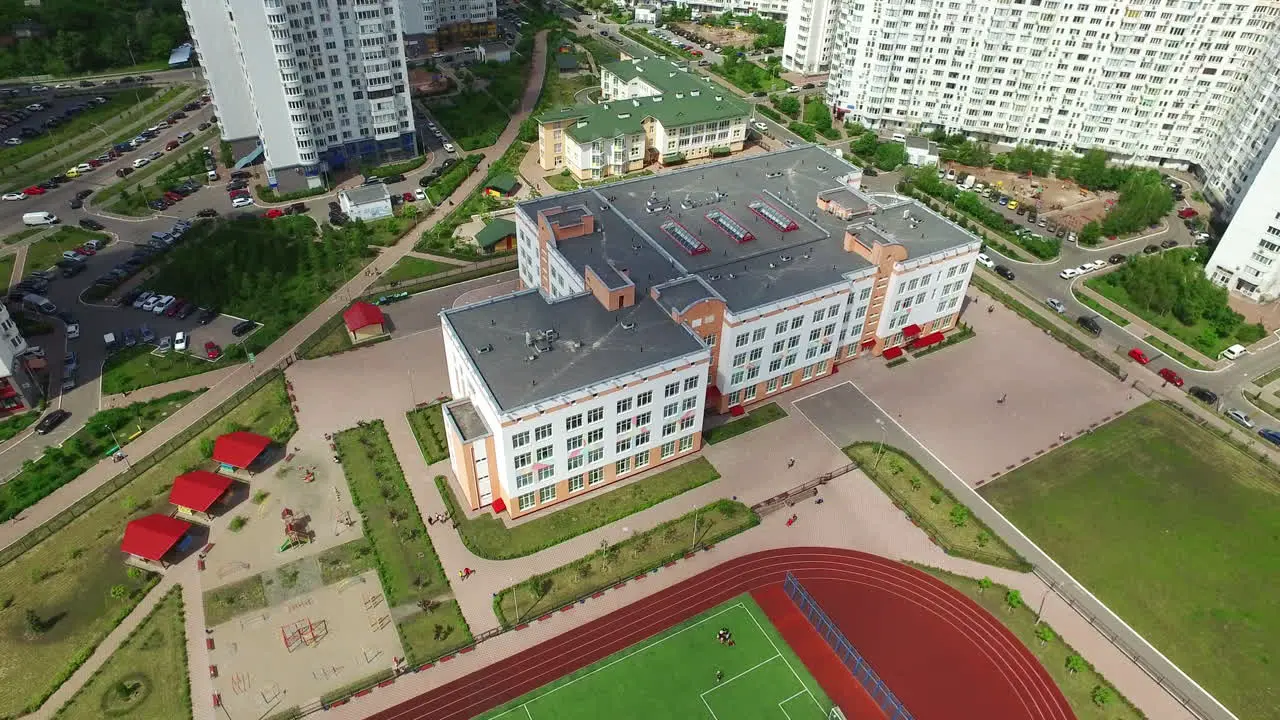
point(748, 671)
point(713, 712)
point(779, 651)
point(526, 711)
point(793, 697)
point(637, 650)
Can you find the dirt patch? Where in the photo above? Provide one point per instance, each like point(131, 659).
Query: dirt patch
point(720, 37)
point(1070, 205)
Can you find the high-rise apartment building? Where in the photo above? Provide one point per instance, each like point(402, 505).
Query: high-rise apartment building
point(810, 34)
point(1151, 81)
point(18, 389)
point(430, 25)
point(318, 84)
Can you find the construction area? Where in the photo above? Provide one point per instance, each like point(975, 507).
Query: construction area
point(1063, 201)
point(718, 36)
point(293, 652)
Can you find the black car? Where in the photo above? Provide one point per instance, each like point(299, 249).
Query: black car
point(206, 316)
point(869, 171)
point(448, 163)
point(73, 271)
point(1090, 323)
point(244, 327)
point(393, 178)
point(334, 206)
point(145, 78)
point(76, 203)
point(1004, 272)
point(1116, 259)
point(51, 421)
point(207, 213)
point(86, 83)
point(1204, 395)
point(203, 126)
point(241, 175)
point(47, 185)
point(1169, 243)
point(68, 262)
point(187, 311)
point(1151, 249)
point(759, 93)
point(296, 208)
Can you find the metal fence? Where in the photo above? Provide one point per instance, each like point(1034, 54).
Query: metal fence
point(848, 654)
point(800, 492)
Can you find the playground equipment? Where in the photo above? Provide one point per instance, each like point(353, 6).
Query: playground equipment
point(302, 633)
point(294, 533)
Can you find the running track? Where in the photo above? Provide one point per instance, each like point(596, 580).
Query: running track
point(943, 655)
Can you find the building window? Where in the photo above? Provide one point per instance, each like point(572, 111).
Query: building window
point(757, 335)
point(641, 459)
point(668, 449)
point(749, 393)
point(622, 466)
point(523, 460)
point(670, 410)
point(818, 315)
point(544, 452)
point(737, 377)
point(595, 415)
point(775, 365)
point(808, 372)
point(822, 367)
point(686, 443)
point(595, 435)
point(689, 404)
point(752, 373)
point(711, 340)
point(644, 398)
point(575, 462)
point(796, 322)
point(772, 386)
point(668, 429)
point(573, 422)
point(739, 359)
point(545, 473)
point(691, 384)
point(742, 340)
point(624, 405)
point(524, 480)
point(671, 389)
point(520, 439)
point(547, 494)
point(624, 426)
point(576, 484)
point(643, 419)
point(595, 455)
point(595, 476)
point(687, 423)
point(542, 432)
point(786, 380)
point(573, 443)
point(524, 502)
point(641, 438)
point(780, 327)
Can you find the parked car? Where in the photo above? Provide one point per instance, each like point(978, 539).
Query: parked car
point(1188, 213)
point(147, 334)
point(163, 304)
point(1004, 272)
point(130, 337)
point(1270, 435)
point(1169, 376)
point(1090, 323)
point(273, 213)
point(212, 351)
point(1116, 259)
point(1139, 356)
point(1240, 418)
point(51, 421)
point(206, 316)
point(180, 339)
point(985, 261)
point(1068, 273)
point(1150, 249)
point(1056, 304)
point(244, 327)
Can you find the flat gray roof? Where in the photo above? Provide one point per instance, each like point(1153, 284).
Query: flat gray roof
point(590, 344)
point(468, 420)
point(678, 295)
point(372, 192)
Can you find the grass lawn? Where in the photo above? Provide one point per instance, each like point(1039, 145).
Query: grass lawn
point(434, 632)
point(21, 235)
point(91, 443)
point(559, 91)
point(603, 52)
point(407, 562)
point(762, 415)
point(674, 675)
point(412, 268)
point(641, 552)
point(6, 269)
point(139, 366)
point(1174, 352)
point(1267, 379)
point(1200, 336)
point(931, 506)
point(443, 186)
point(474, 119)
point(227, 601)
point(346, 560)
point(489, 537)
point(69, 575)
point(12, 426)
point(1099, 308)
point(1177, 532)
point(335, 340)
point(428, 427)
point(44, 253)
point(146, 678)
point(1050, 650)
point(131, 196)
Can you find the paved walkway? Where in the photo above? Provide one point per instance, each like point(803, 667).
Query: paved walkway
point(439, 258)
point(533, 173)
point(19, 260)
point(151, 392)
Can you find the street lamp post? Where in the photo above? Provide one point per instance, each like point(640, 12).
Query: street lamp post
point(880, 449)
point(119, 447)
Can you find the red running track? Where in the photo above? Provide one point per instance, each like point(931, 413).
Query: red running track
point(944, 656)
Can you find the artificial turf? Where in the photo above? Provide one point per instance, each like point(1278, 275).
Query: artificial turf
point(673, 675)
point(1174, 530)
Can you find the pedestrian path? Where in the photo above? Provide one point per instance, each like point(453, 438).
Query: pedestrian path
point(19, 260)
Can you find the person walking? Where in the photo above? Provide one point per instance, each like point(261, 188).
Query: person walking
point(791, 462)
point(719, 675)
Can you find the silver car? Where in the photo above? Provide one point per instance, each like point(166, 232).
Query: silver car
point(1240, 418)
point(1056, 304)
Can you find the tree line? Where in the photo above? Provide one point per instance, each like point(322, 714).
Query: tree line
point(82, 36)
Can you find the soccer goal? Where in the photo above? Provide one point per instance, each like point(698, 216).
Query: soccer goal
point(836, 713)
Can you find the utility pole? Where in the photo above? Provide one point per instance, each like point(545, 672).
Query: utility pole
point(119, 447)
point(880, 449)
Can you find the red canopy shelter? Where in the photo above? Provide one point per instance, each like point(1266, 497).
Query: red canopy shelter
point(198, 490)
point(362, 315)
point(911, 331)
point(239, 449)
point(892, 353)
point(153, 536)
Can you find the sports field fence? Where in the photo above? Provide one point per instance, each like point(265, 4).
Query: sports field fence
point(848, 654)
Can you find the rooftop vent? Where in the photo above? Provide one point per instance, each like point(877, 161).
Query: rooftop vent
point(484, 349)
point(623, 116)
point(693, 93)
point(679, 96)
point(628, 325)
point(530, 358)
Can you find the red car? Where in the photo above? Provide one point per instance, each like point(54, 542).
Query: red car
point(172, 197)
point(175, 307)
point(1170, 376)
point(1139, 356)
point(34, 190)
point(1187, 213)
point(94, 162)
point(212, 351)
point(82, 250)
point(238, 193)
point(408, 197)
point(273, 213)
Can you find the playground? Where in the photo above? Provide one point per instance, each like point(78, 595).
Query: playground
point(1071, 205)
point(292, 652)
point(297, 508)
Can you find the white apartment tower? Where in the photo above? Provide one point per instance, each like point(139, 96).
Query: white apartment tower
point(319, 84)
point(1151, 81)
point(810, 34)
point(430, 25)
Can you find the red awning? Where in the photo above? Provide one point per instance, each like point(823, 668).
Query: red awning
point(239, 449)
point(499, 505)
point(868, 344)
point(927, 340)
point(713, 395)
point(153, 536)
point(736, 411)
point(362, 315)
point(911, 330)
point(199, 489)
point(892, 353)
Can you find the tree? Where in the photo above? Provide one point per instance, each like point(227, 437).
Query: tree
point(817, 114)
point(1075, 664)
point(119, 592)
point(787, 104)
point(1144, 200)
point(1090, 234)
point(890, 155)
point(1102, 695)
point(959, 515)
point(865, 145)
point(1045, 634)
point(35, 624)
point(1013, 599)
point(984, 584)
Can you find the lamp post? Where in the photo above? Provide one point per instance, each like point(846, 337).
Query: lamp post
point(880, 450)
point(119, 447)
point(515, 597)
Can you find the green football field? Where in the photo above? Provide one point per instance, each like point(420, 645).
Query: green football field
point(673, 675)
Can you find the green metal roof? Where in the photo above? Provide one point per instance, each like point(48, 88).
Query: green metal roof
point(666, 75)
point(495, 232)
point(566, 62)
point(625, 117)
point(503, 183)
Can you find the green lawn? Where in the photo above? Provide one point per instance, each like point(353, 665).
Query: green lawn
point(146, 678)
point(23, 234)
point(436, 631)
point(140, 366)
point(757, 417)
point(12, 426)
point(1050, 650)
point(428, 427)
point(412, 268)
point(59, 465)
point(1200, 336)
point(474, 119)
point(407, 563)
point(489, 537)
point(44, 253)
point(6, 269)
point(930, 505)
point(674, 675)
point(1174, 352)
point(227, 601)
point(1268, 378)
point(641, 552)
point(346, 560)
point(69, 576)
point(1177, 532)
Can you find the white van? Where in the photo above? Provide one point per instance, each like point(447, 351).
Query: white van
point(39, 218)
point(900, 138)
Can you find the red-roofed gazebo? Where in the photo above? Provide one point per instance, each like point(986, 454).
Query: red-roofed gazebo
point(195, 492)
point(364, 321)
point(151, 537)
point(239, 449)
